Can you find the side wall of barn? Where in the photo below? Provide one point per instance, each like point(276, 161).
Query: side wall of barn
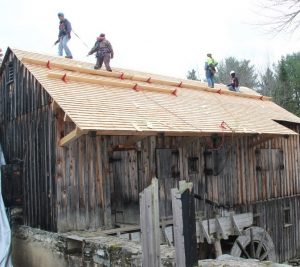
point(83, 187)
point(104, 175)
point(27, 135)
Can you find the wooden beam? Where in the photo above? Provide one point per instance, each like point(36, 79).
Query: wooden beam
point(149, 221)
point(130, 142)
point(169, 133)
point(151, 87)
point(221, 234)
point(150, 133)
point(111, 82)
point(125, 76)
point(77, 68)
point(184, 226)
point(262, 140)
point(188, 140)
point(67, 118)
point(54, 106)
point(218, 248)
point(76, 133)
point(236, 227)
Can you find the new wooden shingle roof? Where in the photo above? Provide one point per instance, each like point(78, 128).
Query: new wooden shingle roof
point(126, 101)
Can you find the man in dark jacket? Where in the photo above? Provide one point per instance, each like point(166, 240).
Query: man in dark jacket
point(234, 85)
point(64, 35)
point(104, 52)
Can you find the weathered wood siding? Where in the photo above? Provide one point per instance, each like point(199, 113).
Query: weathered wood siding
point(254, 173)
point(83, 186)
point(281, 218)
point(27, 136)
point(246, 173)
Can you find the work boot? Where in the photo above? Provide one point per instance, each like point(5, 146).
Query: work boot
point(70, 57)
point(96, 67)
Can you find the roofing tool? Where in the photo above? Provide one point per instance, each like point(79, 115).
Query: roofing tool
point(80, 40)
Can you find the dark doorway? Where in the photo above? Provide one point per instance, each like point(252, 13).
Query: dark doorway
point(124, 187)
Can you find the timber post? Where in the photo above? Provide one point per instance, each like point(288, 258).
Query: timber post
point(184, 223)
point(150, 230)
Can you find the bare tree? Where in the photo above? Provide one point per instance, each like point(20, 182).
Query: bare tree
point(283, 15)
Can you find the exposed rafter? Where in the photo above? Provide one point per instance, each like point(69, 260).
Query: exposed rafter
point(76, 133)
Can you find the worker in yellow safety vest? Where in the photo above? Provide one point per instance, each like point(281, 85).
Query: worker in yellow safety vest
point(210, 70)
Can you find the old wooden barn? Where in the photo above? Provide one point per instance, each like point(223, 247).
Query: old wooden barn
point(88, 141)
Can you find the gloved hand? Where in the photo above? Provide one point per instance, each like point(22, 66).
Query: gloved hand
point(89, 53)
point(56, 42)
point(69, 35)
point(111, 55)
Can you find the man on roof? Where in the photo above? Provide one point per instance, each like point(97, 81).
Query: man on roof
point(64, 35)
point(234, 85)
point(104, 52)
point(210, 70)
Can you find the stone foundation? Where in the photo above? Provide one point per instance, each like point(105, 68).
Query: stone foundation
point(36, 248)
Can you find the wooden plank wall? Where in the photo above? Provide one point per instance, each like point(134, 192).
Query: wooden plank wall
point(27, 136)
point(270, 215)
point(240, 182)
point(90, 177)
point(83, 186)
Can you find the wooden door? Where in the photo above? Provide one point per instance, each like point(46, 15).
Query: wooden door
point(168, 174)
point(124, 189)
point(269, 169)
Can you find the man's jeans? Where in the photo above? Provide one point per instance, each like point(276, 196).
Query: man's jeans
point(210, 81)
point(63, 46)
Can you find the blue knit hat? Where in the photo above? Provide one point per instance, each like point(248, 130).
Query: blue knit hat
point(60, 14)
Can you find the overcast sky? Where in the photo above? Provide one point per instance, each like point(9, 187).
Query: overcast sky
point(160, 36)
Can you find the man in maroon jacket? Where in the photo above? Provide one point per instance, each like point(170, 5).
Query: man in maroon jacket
point(104, 52)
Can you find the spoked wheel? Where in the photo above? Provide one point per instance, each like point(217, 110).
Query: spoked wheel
point(255, 243)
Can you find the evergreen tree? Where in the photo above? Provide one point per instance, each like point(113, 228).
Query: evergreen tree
point(245, 72)
point(192, 75)
point(287, 89)
point(267, 82)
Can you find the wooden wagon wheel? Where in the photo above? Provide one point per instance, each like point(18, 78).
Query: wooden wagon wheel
point(255, 243)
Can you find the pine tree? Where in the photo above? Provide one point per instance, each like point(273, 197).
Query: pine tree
point(192, 75)
point(267, 82)
point(245, 72)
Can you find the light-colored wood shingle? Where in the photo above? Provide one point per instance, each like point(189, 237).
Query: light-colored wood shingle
point(107, 102)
